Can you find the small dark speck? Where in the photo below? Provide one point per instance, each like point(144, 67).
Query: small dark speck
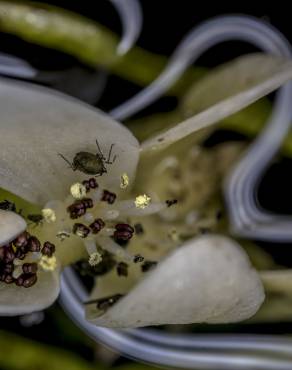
point(138, 258)
point(161, 139)
point(122, 269)
point(138, 229)
point(148, 265)
point(204, 230)
point(171, 202)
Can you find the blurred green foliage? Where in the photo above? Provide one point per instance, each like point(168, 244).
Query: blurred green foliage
point(62, 30)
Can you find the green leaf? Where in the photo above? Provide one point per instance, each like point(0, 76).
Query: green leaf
point(17, 353)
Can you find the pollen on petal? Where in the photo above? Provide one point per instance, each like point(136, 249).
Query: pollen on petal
point(173, 235)
point(78, 191)
point(48, 263)
point(142, 201)
point(94, 259)
point(49, 215)
point(124, 181)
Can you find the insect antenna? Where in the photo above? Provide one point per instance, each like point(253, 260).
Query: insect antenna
point(100, 152)
point(66, 160)
point(108, 161)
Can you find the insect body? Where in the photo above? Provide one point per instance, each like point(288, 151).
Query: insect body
point(90, 163)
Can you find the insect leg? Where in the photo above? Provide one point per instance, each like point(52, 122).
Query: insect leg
point(108, 161)
point(100, 152)
point(66, 160)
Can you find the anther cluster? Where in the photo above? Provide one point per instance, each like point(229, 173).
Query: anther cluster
point(14, 255)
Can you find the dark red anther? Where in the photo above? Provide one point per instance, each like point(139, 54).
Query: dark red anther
point(97, 225)
point(93, 183)
point(2, 253)
point(122, 235)
point(19, 281)
point(109, 197)
point(90, 184)
point(20, 254)
point(77, 209)
point(29, 268)
point(81, 230)
point(48, 249)
point(34, 244)
point(87, 202)
point(29, 280)
point(87, 185)
point(123, 232)
point(26, 280)
point(124, 227)
point(8, 268)
point(9, 254)
point(8, 279)
point(21, 240)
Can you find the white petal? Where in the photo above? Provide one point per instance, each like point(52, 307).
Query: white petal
point(16, 300)
point(242, 82)
point(37, 124)
point(11, 225)
point(209, 279)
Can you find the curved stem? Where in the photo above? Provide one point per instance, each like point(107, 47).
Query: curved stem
point(63, 30)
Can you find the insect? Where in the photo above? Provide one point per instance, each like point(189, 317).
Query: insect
point(6, 205)
point(89, 163)
point(36, 219)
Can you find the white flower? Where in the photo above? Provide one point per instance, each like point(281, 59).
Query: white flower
point(41, 128)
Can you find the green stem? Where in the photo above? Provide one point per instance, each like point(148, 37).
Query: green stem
point(86, 40)
point(17, 353)
point(278, 304)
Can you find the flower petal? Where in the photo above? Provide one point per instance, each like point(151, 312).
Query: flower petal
point(209, 279)
point(37, 124)
point(16, 300)
point(231, 87)
point(11, 225)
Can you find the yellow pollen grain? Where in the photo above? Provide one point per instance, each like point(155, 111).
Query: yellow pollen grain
point(94, 259)
point(78, 191)
point(142, 201)
point(48, 263)
point(49, 215)
point(124, 181)
point(173, 235)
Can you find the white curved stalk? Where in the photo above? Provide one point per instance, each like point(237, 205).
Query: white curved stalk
point(132, 19)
